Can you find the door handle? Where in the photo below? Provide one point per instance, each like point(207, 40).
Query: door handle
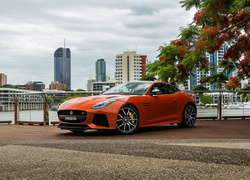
point(175, 100)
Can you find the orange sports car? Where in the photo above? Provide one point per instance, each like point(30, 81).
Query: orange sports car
point(129, 106)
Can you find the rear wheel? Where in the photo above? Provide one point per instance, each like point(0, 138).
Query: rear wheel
point(188, 117)
point(127, 120)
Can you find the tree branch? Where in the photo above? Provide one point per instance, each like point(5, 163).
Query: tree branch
point(241, 22)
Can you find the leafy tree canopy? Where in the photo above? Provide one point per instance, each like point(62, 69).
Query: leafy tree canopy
point(206, 99)
point(216, 22)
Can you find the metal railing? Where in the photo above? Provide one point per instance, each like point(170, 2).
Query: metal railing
point(17, 98)
point(220, 93)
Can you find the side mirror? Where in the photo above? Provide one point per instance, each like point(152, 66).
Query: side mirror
point(156, 92)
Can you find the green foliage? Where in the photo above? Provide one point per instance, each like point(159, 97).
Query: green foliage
point(227, 101)
point(218, 79)
point(80, 90)
point(67, 90)
point(58, 100)
point(49, 100)
point(188, 4)
point(200, 88)
point(206, 99)
point(245, 97)
point(148, 77)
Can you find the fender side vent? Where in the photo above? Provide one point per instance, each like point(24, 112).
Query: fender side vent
point(101, 120)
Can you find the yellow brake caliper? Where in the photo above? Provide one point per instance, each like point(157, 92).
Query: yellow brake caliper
point(132, 121)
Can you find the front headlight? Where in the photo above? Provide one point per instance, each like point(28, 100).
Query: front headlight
point(103, 104)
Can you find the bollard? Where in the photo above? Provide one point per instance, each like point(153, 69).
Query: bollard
point(45, 111)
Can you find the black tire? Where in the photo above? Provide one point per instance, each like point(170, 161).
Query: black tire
point(127, 120)
point(188, 116)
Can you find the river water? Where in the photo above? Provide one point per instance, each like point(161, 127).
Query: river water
point(37, 115)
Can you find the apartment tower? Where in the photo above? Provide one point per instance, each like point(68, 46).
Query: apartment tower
point(129, 66)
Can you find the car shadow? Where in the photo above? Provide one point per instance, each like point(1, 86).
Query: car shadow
point(109, 133)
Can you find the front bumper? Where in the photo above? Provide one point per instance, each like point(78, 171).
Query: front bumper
point(73, 127)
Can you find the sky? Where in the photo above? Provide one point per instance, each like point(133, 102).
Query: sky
point(32, 30)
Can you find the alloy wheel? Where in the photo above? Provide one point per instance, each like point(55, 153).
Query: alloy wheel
point(128, 120)
point(190, 115)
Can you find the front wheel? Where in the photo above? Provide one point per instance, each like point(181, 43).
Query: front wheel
point(127, 120)
point(188, 117)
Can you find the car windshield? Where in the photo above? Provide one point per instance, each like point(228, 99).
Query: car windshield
point(131, 88)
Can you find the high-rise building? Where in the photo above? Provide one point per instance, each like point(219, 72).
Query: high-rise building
point(129, 66)
point(62, 66)
point(214, 60)
point(3, 79)
point(100, 70)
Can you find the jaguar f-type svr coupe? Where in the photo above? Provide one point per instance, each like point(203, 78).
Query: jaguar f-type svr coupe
point(129, 106)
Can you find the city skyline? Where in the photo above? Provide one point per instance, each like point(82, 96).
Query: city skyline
point(32, 30)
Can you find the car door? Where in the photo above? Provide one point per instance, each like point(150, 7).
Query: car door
point(163, 105)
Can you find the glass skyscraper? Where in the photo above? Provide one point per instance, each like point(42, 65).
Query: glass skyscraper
point(62, 66)
point(100, 66)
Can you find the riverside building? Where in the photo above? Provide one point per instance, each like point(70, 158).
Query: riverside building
point(25, 99)
point(35, 86)
point(55, 85)
point(129, 66)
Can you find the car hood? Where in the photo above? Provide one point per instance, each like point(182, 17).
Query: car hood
point(93, 100)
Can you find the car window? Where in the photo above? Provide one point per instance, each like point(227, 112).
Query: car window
point(132, 88)
point(164, 88)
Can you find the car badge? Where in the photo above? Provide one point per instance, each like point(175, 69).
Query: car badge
point(71, 112)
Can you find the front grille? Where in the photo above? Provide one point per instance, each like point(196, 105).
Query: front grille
point(72, 116)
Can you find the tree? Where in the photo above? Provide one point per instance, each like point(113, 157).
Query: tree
point(49, 100)
point(232, 84)
point(148, 77)
point(200, 88)
point(227, 101)
point(71, 96)
point(206, 99)
point(215, 23)
point(245, 96)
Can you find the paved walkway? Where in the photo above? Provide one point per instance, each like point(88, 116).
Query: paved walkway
point(230, 129)
point(210, 150)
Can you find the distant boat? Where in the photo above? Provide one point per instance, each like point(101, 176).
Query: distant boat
point(245, 105)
